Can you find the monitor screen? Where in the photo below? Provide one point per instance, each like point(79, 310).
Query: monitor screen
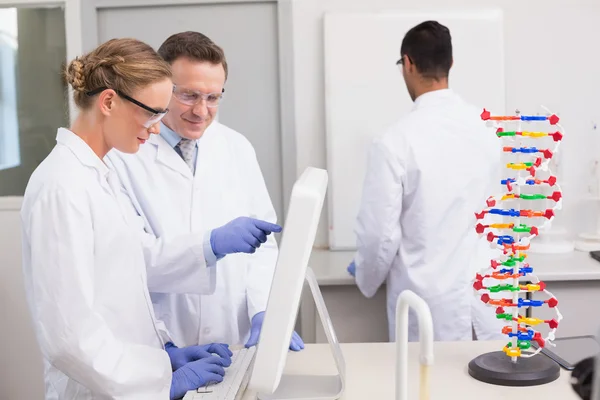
point(297, 241)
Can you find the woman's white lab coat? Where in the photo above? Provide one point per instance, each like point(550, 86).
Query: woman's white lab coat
point(426, 177)
point(85, 283)
point(173, 203)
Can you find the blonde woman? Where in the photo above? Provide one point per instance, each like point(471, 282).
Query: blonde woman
point(83, 262)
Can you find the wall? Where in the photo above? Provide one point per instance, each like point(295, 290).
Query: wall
point(22, 370)
point(548, 62)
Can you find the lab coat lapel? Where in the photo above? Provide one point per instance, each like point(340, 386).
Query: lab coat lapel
point(166, 155)
point(85, 155)
point(206, 150)
point(107, 178)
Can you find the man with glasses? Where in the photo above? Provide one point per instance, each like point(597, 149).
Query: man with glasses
point(201, 178)
point(426, 177)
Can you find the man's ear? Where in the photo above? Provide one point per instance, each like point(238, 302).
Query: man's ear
point(412, 68)
point(106, 101)
point(408, 62)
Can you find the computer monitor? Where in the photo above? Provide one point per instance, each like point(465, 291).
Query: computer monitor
point(297, 241)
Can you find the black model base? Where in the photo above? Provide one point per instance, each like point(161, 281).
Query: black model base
point(497, 368)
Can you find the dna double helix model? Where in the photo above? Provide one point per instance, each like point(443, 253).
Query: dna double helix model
point(510, 221)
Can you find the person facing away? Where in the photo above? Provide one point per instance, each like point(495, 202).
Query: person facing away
point(426, 177)
point(83, 264)
point(201, 177)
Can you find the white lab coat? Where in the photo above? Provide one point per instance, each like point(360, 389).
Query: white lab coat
point(227, 184)
point(426, 177)
point(85, 283)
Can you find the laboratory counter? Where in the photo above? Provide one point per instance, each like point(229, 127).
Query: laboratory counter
point(573, 278)
point(371, 369)
point(330, 266)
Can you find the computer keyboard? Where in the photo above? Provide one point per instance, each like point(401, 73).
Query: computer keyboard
point(234, 382)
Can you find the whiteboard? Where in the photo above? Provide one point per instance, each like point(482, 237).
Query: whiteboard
point(365, 91)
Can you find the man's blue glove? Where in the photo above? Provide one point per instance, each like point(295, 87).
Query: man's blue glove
point(296, 344)
point(196, 374)
point(352, 269)
point(180, 357)
point(242, 235)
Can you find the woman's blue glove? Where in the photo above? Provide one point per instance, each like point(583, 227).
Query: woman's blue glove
point(180, 357)
point(242, 235)
point(296, 344)
point(196, 374)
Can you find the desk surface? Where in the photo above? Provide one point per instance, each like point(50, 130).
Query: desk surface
point(371, 367)
point(330, 266)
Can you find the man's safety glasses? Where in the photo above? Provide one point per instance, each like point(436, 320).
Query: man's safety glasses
point(400, 62)
point(191, 97)
point(156, 116)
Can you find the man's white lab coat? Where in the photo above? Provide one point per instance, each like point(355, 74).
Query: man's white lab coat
point(85, 281)
point(426, 177)
point(227, 184)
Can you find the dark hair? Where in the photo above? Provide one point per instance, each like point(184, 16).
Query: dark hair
point(195, 46)
point(120, 64)
point(429, 47)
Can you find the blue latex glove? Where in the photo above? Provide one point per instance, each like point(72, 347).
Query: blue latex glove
point(181, 356)
point(296, 344)
point(242, 235)
point(352, 269)
point(196, 374)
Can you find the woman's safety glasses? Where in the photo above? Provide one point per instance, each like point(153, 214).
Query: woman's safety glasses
point(156, 116)
point(191, 97)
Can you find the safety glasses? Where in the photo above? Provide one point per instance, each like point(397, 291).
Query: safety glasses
point(400, 62)
point(156, 116)
point(191, 97)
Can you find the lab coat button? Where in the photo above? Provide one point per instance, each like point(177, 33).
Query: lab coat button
point(206, 331)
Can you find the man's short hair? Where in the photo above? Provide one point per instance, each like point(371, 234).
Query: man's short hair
point(429, 46)
point(194, 46)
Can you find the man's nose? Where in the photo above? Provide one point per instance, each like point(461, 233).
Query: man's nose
point(200, 109)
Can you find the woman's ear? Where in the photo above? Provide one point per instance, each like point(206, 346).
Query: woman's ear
point(106, 101)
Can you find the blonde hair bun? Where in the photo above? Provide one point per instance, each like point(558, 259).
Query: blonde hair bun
point(75, 75)
point(124, 65)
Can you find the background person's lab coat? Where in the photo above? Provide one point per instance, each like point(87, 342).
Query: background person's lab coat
point(426, 177)
point(227, 184)
point(85, 281)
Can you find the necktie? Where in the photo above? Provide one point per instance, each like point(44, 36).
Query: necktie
point(187, 147)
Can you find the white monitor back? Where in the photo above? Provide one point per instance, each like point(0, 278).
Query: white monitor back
point(365, 92)
point(297, 242)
